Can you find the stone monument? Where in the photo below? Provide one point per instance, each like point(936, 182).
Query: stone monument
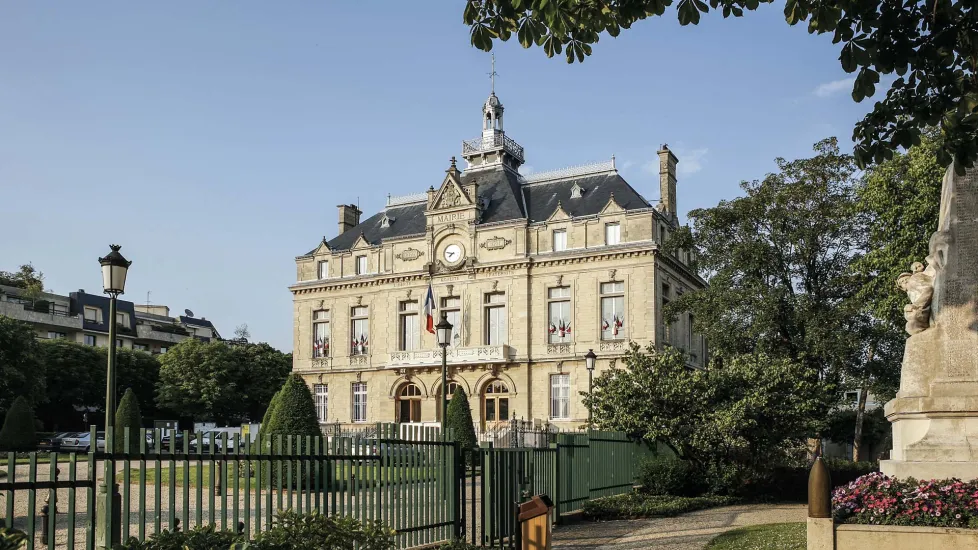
point(935, 413)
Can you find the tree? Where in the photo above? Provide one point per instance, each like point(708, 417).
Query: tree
point(201, 380)
point(27, 277)
point(75, 381)
point(294, 411)
point(127, 416)
point(740, 414)
point(458, 420)
point(901, 199)
point(262, 370)
point(21, 374)
point(779, 265)
point(931, 46)
point(18, 433)
point(241, 332)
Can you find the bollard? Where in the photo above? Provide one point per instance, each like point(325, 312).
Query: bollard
point(176, 525)
point(45, 518)
point(819, 491)
point(220, 477)
point(240, 527)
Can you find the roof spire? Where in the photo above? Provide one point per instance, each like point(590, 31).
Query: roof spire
point(492, 75)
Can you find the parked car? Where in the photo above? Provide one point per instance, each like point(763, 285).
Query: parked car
point(82, 442)
point(53, 442)
point(391, 453)
point(204, 443)
point(177, 441)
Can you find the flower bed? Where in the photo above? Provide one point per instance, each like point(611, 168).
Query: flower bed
point(876, 499)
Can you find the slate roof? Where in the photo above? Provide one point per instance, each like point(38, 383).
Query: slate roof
point(508, 199)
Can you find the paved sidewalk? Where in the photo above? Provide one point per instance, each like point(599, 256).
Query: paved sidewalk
point(687, 532)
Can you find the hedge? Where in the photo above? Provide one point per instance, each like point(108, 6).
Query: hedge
point(18, 432)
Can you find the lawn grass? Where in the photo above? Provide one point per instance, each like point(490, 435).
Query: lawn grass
point(640, 505)
point(366, 475)
point(776, 536)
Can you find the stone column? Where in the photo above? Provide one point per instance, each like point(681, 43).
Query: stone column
point(935, 413)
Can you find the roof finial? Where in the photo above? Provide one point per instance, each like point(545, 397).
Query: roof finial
point(453, 162)
point(493, 75)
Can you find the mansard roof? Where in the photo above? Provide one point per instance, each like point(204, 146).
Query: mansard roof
point(505, 196)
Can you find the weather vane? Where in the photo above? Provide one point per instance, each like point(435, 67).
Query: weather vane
point(493, 74)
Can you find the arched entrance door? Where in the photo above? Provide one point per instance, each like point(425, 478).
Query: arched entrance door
point(495, 403)
point(408, 403)
point(452, 386)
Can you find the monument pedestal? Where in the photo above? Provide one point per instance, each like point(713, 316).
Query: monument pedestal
point(935, 413)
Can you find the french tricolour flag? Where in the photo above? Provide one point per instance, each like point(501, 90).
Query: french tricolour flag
point(429, 310)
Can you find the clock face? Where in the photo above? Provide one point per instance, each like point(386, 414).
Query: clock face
point(453, 253)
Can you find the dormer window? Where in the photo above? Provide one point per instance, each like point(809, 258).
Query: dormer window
point(387, 221)
point(576, 191)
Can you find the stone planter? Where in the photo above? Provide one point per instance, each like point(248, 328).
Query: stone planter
point(824, 535)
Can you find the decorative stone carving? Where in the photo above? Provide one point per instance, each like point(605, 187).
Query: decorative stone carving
point(611, 274)
point(496, 243)
point(560, 280)
point(450, 289)
point(321, 363)
point(495, 286)
point(358, 361)
point(409, 254)
point(409, 291)
point(322, 304)
point(919, 286)
point(558, 349)
point(613, 345)
point(359, 300)
point(450, 198)
point(439, 266)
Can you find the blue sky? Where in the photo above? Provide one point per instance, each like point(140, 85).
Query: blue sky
point(213, 140)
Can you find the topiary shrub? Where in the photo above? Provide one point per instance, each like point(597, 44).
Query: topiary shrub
point(266, 420)
point(458, 421)
point(293, 412)
point(670, 476)
point(18, 432)
point(127, 416)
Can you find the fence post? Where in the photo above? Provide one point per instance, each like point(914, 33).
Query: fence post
point(108, 513)
point(557, 480)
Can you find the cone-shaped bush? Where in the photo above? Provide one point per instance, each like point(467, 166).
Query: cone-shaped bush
point(18, 432)
point(127, 416)
point(458, 420)
point(267, 419)
point(293, 412)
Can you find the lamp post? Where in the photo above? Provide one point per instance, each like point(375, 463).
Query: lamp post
point(589, 361)
point(109, 503)
point(444, 332)
point(114, 270)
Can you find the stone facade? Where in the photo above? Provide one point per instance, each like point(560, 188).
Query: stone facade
point(935, 413)
point(518, 261)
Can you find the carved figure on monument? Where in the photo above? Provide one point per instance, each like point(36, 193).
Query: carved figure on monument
point(919, 286)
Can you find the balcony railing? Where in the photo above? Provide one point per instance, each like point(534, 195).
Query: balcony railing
point(49, 316)
point(455, 356)
point(485, 144)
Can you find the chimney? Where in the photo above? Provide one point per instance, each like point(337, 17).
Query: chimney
point(667, 182)
point(349, 217)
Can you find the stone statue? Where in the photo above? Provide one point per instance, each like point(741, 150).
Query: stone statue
point(919, 286)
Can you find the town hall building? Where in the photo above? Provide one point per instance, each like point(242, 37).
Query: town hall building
point(531, 271)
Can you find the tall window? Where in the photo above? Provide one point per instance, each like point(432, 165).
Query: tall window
point(360, 331)
point(612, 311)
point(496, 403)
point(612, 233)
point(495, 306)
point(410, 330)
point(122, 319)
point(92, 314)
point(560, 240)
point(559, 307)
point(451, 306)
point(361, 265)
point(691, 340)
point(320, 333)
point(359, 401)
point(321, 393)
point(666, 326)
point(89, 339)
point(560, 396)
point(139, 347)
point(324, 269)
point(409, 403)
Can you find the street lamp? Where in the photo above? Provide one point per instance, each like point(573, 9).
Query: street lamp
point(109, 502)
point(589, 361)
point(444, 332)
point(114, 270)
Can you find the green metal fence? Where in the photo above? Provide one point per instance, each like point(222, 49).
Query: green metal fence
point(174, 483)
point(423, 488)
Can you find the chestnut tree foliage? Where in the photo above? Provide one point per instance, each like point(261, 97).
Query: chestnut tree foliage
point(745, 411)
point(930, 45)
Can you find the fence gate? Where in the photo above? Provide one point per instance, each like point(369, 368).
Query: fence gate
point(494, 484)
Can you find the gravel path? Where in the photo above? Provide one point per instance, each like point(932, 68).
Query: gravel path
point(686, 532)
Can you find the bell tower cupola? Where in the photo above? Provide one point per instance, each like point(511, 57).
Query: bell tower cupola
point(494, 148)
